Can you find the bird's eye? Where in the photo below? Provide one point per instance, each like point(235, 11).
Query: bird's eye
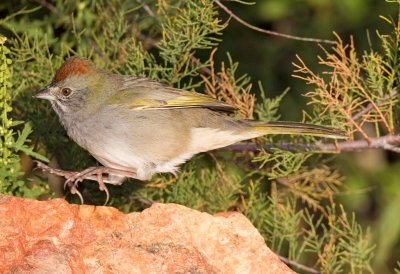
point(66, 92)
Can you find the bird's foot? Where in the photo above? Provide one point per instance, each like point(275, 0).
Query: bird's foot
point(77, 177)
point(91, 173)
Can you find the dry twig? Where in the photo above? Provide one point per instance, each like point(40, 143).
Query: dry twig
point(48, 6)
point(269, 32)
point(222, 86)
point(370, 107)
point(344, 93)
point(298, 265)
point(388, 142)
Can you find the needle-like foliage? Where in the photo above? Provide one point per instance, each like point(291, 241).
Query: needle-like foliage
point(289, 195)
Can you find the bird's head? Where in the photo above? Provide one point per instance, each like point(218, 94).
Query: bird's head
point(74, 81)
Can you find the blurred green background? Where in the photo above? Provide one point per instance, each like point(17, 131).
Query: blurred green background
point(269, 59)
point(372, 177)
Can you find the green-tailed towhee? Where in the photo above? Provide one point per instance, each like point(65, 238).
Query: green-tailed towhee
point(137, 127)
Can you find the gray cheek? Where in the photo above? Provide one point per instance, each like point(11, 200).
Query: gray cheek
point(73, 104)
point(57, 108)
point(76, 104)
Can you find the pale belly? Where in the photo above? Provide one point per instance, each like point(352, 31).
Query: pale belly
point(131, 153)
point(148, 142)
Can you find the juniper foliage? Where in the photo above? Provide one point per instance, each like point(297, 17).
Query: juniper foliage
point(289, 196)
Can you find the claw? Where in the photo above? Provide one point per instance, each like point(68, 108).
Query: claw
point(103, 187)
point(107, 196)
point(80, 196)
point(66, 183)
point(78, 177)
point(74, 178)
point(74, 190)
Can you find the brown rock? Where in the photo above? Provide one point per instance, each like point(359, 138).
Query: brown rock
point(56, 237)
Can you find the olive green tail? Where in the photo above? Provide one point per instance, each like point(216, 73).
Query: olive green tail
point(264, 128)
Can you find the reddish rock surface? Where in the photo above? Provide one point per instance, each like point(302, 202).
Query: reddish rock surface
point(56, 237)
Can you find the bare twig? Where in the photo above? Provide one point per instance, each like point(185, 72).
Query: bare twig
point(147, 41)
point(147, 9)
point(269, 32)
point(370, 106)
point(203, 69)
point(298, 265)
point(48, 6)
point(388, 142)
point(143, 200)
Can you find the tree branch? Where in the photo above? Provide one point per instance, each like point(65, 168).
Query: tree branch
point(269, 32)
point(388, 142)
point(298, 265)
point(48, 6)
point(147, 9)
point(370, 106)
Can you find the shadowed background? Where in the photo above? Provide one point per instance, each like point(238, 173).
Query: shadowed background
point(371, 177)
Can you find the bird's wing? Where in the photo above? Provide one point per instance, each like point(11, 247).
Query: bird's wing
point(139, 94)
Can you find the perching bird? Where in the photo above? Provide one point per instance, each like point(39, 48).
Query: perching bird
point(137, 127)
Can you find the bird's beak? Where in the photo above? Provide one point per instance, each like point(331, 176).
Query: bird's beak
point(45, 93)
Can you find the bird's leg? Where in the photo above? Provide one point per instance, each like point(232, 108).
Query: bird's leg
point(56, 171)
point(91, 173)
